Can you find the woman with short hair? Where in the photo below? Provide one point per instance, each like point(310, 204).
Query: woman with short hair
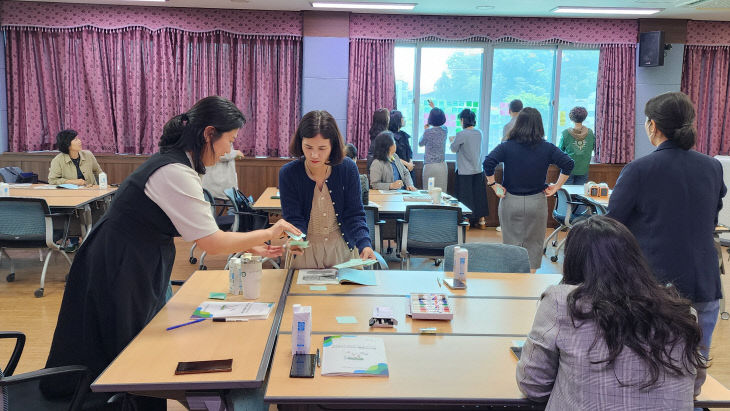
point(523, 203)
point(470, 187)
point(387, 172)
point(434, 141)
point(610, 337)
point(578, 142)
point(320, 195)
point(73, 165)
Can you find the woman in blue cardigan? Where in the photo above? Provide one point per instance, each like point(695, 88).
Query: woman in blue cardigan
point(320, 195)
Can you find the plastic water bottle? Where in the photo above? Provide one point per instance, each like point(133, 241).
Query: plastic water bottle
point(102, 181)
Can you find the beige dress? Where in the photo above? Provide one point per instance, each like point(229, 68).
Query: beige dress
point(327, 246)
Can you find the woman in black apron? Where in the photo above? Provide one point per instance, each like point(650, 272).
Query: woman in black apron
point(119, 278)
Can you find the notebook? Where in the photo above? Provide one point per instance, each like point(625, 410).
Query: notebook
point(333, 276)
point(224, 309)
point(354, 355)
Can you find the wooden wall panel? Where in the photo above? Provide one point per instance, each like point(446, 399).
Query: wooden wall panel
point(255, 174)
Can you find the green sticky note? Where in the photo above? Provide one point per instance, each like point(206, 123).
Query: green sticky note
point(217, 296)
point(347, 320)
point(318, 287)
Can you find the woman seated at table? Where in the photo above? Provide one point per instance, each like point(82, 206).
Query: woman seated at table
point(320, 195)
point(610, 336)
point(387, 172)
point(73, 165)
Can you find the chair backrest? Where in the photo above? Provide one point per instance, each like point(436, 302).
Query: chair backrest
point(250, 219)
point(371, 217)
point(22, 220)
point(491, 258)
point(432, 226)
point(561, 205)
point(10, 174)
point(209, 198)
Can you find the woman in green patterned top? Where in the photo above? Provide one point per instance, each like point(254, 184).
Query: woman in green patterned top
point(578, 142)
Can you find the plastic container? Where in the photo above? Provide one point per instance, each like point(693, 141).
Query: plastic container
point(436, 195)
point(431, 183)
point(461, 265)
point(235, 280)
point(4, 190)
point(251, 273)
point(102, 181)
point(301, 329)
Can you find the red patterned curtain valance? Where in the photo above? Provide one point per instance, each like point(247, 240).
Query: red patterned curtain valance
point(527, 29)
point(64, 15)
point(708, 33)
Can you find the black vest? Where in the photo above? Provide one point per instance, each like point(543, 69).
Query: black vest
point(134, 212)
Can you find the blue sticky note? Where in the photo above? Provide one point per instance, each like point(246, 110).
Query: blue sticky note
point(347, 320)
point(318, 287)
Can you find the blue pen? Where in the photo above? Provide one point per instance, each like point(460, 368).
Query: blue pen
point(197, 320)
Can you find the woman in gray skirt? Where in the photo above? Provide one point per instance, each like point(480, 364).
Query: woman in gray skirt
point(434, 158)
point(523, 192)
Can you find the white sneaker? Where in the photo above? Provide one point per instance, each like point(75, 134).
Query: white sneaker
point(499, 228)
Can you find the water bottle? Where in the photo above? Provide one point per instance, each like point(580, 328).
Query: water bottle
point(431, 182)
point(102, 181)
point(4, 190)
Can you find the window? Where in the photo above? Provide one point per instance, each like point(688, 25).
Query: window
point(467, 75)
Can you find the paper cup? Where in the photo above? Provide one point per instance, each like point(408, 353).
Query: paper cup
point(252, 285)
point(436, 195)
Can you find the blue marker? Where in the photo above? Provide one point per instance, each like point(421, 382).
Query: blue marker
point(197, 320)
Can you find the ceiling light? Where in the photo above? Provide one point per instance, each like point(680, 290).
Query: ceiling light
point(370, 6)
point(485, 7)
point(604, 10)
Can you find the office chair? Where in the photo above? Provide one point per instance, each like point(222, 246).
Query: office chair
point(491, 258)
point(224, 222)
point(22, 392)
point(28, 223)
point(246, 218)
point(568, 211)
point(427, 229)
point(374, 222)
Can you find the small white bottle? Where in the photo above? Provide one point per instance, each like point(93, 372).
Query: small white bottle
point(235, 280)
point(301, 329)
point(461, 265)
point(102, 181)
point(4, 190)
point(431, 182)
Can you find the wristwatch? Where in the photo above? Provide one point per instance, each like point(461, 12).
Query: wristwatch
point(491, 184)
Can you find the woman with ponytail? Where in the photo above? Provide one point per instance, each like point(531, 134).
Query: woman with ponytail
point(119, 278)
point(669, 199)
point(609, 337)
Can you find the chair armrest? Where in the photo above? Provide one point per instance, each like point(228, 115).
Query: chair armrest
point(400, 221)
point(17, 351)
point(46, 372)
point(177, 282)
point(380, 222)
point(464, 223)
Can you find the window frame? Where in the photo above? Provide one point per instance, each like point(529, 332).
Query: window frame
point(486, 85)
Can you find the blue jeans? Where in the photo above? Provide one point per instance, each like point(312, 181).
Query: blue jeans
point(577, 180)
point(707, 313)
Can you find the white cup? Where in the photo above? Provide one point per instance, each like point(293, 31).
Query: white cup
point(436, 195)
point(252, 285)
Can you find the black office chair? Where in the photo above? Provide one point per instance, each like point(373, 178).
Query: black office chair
point(22, 392)
point(427, 229)
point(246, 218)
point(28, 223)
point(568, 211)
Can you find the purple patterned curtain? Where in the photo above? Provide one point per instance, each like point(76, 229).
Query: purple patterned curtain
point(371, 86)
point(705, 79)
point(615, 103)
point(118, 87)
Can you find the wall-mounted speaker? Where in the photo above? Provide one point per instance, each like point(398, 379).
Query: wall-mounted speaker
point(651, 49)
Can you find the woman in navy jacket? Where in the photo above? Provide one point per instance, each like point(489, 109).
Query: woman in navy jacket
point(320, 195)
point(669, 200)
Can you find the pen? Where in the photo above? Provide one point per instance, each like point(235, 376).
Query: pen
point(319, 362)
point(229, 320)
point(197, 320)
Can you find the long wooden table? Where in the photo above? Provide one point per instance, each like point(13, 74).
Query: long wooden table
point(467, 361)
point(579, 190)
point(147, 365)
point(391, 205)
point(66, 200)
